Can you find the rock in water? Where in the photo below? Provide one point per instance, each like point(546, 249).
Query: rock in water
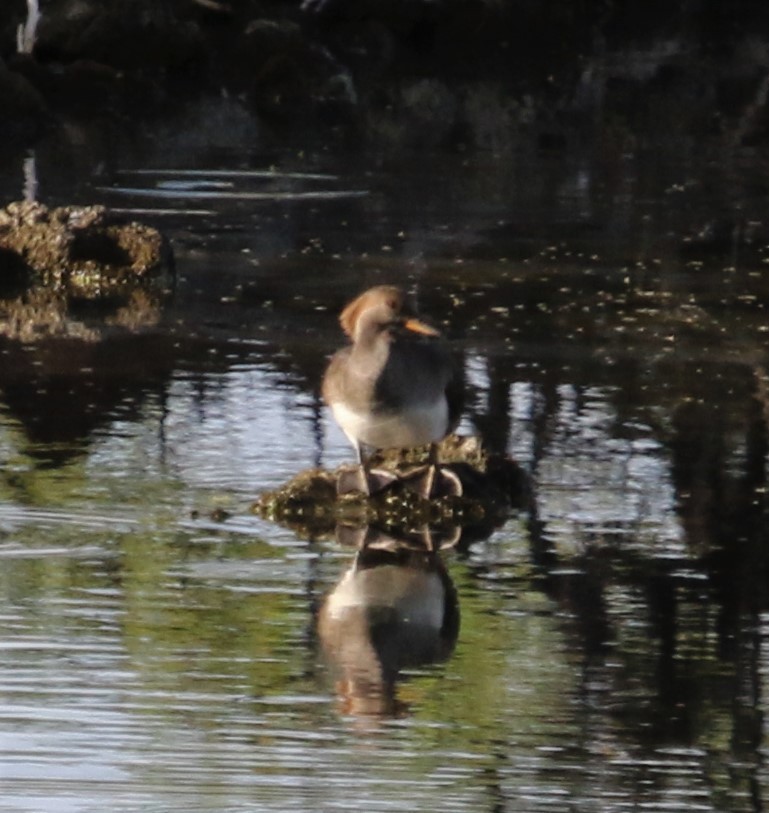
point(83, 251)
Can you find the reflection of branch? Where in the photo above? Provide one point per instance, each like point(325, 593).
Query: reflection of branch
point(762, 391)
point(30, 178)
point(212, 5)
point(25, 34)
point(752, 110)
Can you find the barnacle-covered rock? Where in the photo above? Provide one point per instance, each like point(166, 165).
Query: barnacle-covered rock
point(82, 251)
point(492, 485)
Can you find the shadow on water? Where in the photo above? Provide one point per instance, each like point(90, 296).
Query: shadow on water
point(613, 650)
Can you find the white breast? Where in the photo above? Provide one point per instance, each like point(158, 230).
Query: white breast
point(416, 426)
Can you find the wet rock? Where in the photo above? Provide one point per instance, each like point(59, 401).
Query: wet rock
point(82, 251)
point(492, 485)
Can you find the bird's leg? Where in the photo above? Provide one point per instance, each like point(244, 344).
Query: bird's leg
point(377, 479)
point(431, 473)
point(362, 479)
point(431, 481)
point(351, 480)
point(446, 482)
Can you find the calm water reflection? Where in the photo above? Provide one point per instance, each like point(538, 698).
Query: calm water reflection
point(613, 650)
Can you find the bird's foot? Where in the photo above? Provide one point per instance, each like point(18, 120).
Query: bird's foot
point(433, 481)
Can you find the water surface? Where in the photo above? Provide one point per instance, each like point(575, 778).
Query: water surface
point(160, 643)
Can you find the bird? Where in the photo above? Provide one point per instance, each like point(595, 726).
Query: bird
point(394, 386)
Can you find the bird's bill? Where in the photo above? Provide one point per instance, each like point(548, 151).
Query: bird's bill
point(420, 327)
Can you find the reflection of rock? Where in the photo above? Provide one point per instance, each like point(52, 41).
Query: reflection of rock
point(38, 314)
point(41, 313)
point(394, 608)
point(75, 288)
point(60, 391)
point(80, 251)
point(492, 485)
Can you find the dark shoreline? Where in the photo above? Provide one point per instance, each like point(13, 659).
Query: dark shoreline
point(416, 74)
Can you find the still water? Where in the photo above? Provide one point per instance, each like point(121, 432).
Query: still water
point(605, 649)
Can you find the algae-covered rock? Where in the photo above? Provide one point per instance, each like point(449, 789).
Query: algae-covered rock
point(82, 251)
point(492, 485)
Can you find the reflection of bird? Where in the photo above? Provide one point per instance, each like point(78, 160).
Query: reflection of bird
point(393, 609)
point(394, 387)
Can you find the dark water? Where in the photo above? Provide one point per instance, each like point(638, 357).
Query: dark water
point(613, 648)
